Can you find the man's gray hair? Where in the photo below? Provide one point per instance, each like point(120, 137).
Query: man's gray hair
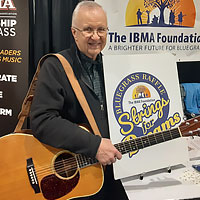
point(84, 4)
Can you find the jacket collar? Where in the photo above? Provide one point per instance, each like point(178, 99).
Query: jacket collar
point(77, 64)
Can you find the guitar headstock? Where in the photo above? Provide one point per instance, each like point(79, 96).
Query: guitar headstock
point(190, 127)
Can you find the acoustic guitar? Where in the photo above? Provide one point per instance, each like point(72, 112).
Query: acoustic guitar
point(30, 170)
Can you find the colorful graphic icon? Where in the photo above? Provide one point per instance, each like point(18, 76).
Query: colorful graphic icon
point(158, 13)
point(141, 91)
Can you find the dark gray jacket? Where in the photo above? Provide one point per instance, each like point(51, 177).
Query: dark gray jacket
point(56, 112)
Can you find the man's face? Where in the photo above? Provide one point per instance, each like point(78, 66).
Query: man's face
point(94, 19)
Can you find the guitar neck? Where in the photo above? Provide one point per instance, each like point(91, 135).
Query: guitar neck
point(84, 161)
point(133, 145)
point(147, 140)
point(190, 127)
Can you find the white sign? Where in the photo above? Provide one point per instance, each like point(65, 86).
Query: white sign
point(143, 97)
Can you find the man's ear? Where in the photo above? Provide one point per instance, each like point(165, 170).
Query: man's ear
point(74, 33)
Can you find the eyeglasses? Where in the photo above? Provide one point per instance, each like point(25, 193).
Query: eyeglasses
point(88, 32)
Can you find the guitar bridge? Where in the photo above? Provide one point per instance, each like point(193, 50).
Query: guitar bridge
point(32, 175)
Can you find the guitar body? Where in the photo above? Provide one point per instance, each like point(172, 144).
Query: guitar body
point(28, 170)
point(31, 170)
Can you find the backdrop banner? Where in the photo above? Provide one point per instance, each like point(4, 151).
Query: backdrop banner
point(153, 26)
point(14, 34)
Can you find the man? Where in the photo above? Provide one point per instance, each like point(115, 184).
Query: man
point(56, 112)
point(139, 16)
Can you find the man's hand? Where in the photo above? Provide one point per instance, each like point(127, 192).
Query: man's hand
point(107, 153)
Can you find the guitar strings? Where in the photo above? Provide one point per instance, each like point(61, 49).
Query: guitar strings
point(68, 161)
point(66, 169)
point(71, 172)
point(74, 163)
point(151, 139)
point(71, 162)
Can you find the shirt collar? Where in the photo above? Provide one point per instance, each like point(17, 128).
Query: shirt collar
point(88, 61)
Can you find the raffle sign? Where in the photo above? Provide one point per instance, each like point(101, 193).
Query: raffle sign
point(143, 98)
point(153, 26)
point(14, 33)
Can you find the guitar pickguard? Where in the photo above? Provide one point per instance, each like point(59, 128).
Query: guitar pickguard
point(53, 187)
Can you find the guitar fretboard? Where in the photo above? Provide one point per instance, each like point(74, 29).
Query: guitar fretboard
point(84, 161)
point(134, 144)
point(148, 140)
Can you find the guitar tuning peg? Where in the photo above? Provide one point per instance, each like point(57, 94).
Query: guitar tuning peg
point(196, 120)
point(190, 132)
point(187, 123)
point(198, 130)
point(184, 118)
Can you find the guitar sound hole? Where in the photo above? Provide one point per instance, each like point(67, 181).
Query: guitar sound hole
point(65, 165)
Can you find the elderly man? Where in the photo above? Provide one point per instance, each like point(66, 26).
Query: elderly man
point(56, 112)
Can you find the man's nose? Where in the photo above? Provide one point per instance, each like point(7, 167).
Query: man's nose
point(95, 35)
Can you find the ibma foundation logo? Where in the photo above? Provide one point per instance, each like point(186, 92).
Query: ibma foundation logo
point(160, 13)
point(141, 107)
point(7, 5)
